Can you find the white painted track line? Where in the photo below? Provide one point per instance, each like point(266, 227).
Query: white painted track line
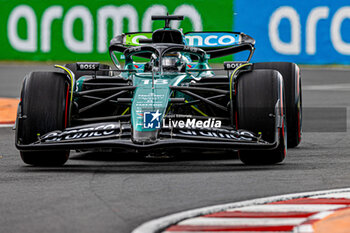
point(333, 195)
point(6, 125)
point(231, 232)
point(307, 228)
point(242, 221)
point(288, 208)
point(321, 215)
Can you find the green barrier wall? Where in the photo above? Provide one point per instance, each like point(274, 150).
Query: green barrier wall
point(81, 30)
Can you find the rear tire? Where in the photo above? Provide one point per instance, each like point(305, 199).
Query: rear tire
point(292, 85)
point(258, 92)
point(44, 105)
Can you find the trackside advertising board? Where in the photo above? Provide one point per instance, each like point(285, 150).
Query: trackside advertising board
point(81, 30)
point(306, 32)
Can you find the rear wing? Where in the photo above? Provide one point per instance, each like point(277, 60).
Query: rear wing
point(219, 44)
point(216, 44)
point(211, 40)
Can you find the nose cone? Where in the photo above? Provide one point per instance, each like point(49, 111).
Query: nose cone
point(149, 125)
point(148, 109)
point(149, 105)
point(145, 137)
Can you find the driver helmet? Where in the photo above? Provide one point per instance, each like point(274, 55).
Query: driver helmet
point(172, 62)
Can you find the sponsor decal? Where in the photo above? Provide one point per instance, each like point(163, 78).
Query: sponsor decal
point(88, 65)
point(191, 66)
point(133, 39)
point(211, 39)
point(220, 133)
point(40, 26)
point(60, 30)
point(82, 133)
point(140, 66)
point(307, 32)
point(232, 65)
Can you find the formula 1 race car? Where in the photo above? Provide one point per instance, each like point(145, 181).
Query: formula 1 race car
point(165, 98)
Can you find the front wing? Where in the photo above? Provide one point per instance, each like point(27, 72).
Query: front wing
point(115, 135)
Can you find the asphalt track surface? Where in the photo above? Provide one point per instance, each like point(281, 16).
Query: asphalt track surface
point(115, 193)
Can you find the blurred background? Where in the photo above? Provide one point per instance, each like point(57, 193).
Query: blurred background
point(305, 32)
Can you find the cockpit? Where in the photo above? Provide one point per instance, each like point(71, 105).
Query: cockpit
point(162, 58)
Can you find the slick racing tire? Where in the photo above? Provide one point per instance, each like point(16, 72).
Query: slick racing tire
point(292, 85)
point(44, 108)
point(79, 73)
point(258, 95)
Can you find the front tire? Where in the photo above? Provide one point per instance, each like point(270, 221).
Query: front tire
point(258, 93)
point(292, 85)
point(44, 108)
